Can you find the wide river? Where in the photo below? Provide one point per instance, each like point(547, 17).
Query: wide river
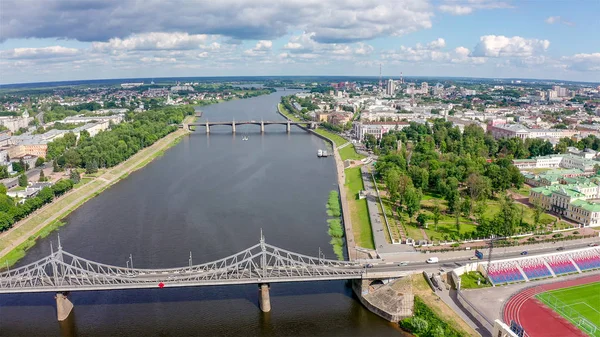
point(211, 196)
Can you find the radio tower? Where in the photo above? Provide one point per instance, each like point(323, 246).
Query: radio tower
point(380, 86)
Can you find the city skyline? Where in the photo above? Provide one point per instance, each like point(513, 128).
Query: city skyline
point(61, 40)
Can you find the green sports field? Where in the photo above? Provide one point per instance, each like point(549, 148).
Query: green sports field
point(579, 304)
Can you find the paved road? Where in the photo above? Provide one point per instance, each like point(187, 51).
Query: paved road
point(457, 259)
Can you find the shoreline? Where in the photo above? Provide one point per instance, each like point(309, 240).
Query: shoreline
point(18, 239)
point(341, 177)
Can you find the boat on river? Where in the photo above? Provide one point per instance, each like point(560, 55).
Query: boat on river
point(320, 153)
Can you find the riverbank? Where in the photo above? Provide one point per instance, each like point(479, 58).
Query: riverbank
point(22, 236)
point(346, 194)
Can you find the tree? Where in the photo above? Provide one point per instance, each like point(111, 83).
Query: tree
point(39, 162)
point(23, 180)
point(4, 172)
point(412, 200)
point(422, 219)
point(55, 167)
point(537, 212)
point(74, 176)
point(91, 167)
point(437, 214)
point(478, 186)
point(507, 219)
point(392, 181)
point(42, 176)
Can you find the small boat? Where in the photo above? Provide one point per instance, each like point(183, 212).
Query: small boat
point(324, 153)
point(244, 138)
point(320, 153)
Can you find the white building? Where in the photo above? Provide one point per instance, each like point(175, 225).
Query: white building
point(377, 129)
point(391, 88)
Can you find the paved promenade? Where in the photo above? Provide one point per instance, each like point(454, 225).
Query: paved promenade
point(378, 221)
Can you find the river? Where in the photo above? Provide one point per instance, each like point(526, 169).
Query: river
point(211, 196)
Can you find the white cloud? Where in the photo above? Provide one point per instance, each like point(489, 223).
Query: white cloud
point(502, 46)
point(456, 9)
point(38, 53)
point(557, 19)
point(432, 52)
point(153, 41)
point(439, 43)
point(464, 7)
point(583, 62)
point(102, 20)
point(261, 48)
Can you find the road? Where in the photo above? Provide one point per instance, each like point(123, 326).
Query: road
point(417, 261)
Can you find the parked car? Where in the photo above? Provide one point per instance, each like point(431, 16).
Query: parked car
point(472, 258)
point(433, 260)
point(370, 265)
point(560, 248)
point(403, 263)
point(524, 252)
point(593, 244)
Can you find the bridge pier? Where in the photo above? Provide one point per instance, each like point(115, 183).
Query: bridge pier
point(264, 299)
point(207, 128)
point(262, 127)
point(63, 306)
point(289, 127)
point(233, 127)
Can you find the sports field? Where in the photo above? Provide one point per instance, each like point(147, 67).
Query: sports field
point(580, 305)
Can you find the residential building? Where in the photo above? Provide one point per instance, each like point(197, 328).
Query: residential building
point(567, 161)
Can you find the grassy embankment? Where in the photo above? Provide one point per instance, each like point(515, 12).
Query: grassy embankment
point(429, 307)
point(15, 242)
point(359, 213)
point(335, 231)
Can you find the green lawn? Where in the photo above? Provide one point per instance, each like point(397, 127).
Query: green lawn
point(349, 152)
point(575, 303)
point(469, 280)
point(338, 140)
point(288, 113)
point(359, 214)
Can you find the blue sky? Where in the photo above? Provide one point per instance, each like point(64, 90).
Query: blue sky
point(69, 40)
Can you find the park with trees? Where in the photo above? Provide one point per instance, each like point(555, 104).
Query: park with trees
point(444, 184)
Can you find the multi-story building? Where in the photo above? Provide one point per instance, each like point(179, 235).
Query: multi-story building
point(377, 129)
point(391, 88)
point(567, 161)
point(523, 132)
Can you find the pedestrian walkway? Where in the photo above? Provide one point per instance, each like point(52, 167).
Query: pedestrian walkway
point(378, 226)
point(343, 145)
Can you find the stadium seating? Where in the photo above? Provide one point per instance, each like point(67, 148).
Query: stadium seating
point(561, 264)
point(504, 272)
point(586, 260)
point(534, 268)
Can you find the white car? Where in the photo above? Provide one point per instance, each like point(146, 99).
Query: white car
point(433, 260)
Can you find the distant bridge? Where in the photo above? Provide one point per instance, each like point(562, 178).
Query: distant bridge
point(233, 123)
point(261, 264)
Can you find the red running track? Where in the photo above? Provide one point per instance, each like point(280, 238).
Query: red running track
point(537, 319)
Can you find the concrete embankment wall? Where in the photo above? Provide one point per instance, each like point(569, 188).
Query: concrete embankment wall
point(339, 164)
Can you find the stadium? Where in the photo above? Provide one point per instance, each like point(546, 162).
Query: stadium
point(547, 295)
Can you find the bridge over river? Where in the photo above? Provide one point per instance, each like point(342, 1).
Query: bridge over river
point(262, 124)
point(62, 272)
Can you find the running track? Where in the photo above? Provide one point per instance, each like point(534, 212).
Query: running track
point(539, 320)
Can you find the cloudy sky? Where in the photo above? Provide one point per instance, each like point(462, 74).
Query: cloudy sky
point(53, 40)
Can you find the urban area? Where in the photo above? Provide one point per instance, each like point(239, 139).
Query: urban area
point(498, 181)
